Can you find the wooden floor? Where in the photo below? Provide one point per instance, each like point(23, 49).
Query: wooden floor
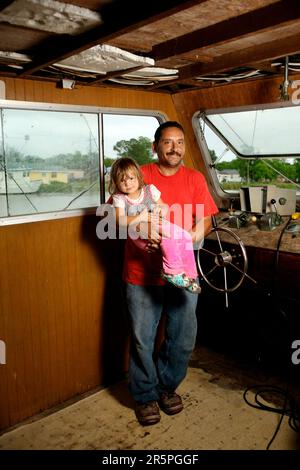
point(215, 416)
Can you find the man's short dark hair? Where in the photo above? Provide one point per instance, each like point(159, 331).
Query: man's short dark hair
point(163, 126)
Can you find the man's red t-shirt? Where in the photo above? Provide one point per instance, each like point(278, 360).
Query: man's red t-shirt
point(187, 195)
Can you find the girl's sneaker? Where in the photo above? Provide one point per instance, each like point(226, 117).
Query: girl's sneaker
point(178, 280)
point(194, 287)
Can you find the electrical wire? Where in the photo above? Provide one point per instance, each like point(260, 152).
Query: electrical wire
point(288, 409)
point(278, 248)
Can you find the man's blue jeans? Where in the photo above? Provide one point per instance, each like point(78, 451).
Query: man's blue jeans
point(149, 376)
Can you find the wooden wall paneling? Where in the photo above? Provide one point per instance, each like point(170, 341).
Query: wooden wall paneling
point(51, 314)
point(40, 91)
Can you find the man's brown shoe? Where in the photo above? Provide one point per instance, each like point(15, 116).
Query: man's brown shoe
point(170, 403)
point(147, 413)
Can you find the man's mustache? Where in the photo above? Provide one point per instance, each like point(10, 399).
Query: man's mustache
point(174, 153)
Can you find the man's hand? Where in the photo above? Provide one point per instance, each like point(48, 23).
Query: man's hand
point(152, 247)
point(148, 231)
point(143, 216)
point(161, 210)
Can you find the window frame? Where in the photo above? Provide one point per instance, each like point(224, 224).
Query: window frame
point(97, 110)
point(204, 149)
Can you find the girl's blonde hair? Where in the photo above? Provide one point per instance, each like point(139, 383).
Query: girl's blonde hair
point(119, 168)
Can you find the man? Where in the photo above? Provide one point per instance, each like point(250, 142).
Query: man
point(153, 380)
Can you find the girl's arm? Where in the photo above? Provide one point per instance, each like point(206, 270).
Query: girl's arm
point(141, 225)
point(161, 208)
point(126, 220)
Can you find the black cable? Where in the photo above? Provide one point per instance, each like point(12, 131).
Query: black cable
point(289, 409)
point(275, 289)
point(278, 247)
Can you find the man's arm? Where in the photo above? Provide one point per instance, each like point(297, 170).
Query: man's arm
point(201, 229)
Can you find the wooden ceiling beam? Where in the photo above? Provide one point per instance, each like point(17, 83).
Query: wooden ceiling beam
point(115, 73)
point(266, 18)
point(116, 21)
point(269, 51)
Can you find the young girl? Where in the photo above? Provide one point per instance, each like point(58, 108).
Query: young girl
point(136, 202)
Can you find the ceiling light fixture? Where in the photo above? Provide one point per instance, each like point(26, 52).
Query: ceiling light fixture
point(66, 84)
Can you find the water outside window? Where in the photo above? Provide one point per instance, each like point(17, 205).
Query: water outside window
point(49, 161)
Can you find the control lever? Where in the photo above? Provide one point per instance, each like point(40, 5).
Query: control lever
point(270, 220)
point(282, 201)
point(273, 201)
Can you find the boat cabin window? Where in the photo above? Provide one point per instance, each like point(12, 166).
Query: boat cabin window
point(130, 136)
point(56, 162)
point(251, 147)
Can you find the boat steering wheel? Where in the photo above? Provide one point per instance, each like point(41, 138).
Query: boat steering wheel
point(232, 261)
